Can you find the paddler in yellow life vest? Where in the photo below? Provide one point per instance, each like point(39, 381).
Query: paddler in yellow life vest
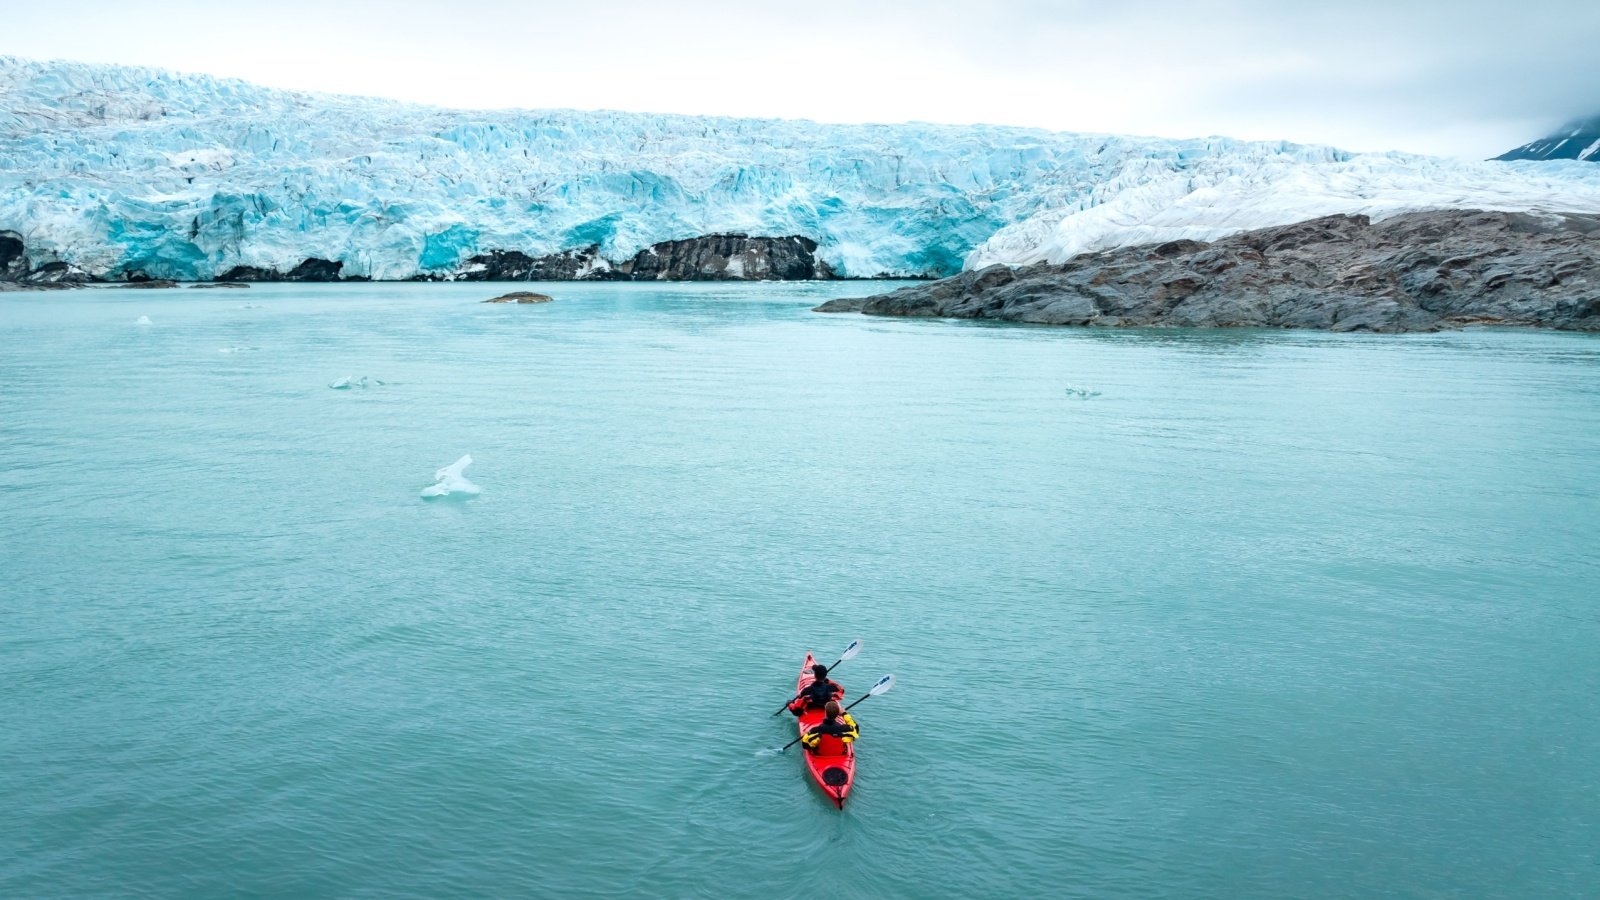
point(836, 731)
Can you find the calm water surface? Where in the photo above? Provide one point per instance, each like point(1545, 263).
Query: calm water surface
point(1265, 614)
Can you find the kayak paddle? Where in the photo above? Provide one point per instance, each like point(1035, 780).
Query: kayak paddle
point(849, 653)
point(882, 687)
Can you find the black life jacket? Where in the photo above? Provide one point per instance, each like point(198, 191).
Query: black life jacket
point(818, 693)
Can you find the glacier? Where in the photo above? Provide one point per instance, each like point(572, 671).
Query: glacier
point(118, 171)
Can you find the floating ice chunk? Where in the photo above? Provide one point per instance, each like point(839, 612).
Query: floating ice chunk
point(350, 381)
point(1081, 393)
point(450, 482)
point(143, 320)
point(235, 349)
point(251, 306)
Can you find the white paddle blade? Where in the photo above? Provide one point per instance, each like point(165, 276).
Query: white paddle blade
point(851, 651)
point(882, 687)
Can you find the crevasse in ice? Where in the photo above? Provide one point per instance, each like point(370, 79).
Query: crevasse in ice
point(113, 169)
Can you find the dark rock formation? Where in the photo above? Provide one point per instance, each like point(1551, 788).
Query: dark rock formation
point(729, 257)
point(9, 286)
point(514, 265)
point(713, 257)
point(313, 269)
point(13, 257)
point(14, 266)
point(220, 284)
point(151, 283)
point(1417, 272)
point(1574, 140)
point(57, 273)
point(521, 297)
point(250, 273)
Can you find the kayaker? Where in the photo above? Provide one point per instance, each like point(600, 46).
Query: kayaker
point(816, 694)
point(834, 731)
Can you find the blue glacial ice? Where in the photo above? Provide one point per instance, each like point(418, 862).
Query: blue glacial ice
point(450, 482)
point(112, 169)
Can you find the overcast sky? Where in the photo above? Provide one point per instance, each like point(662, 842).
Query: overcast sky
point(1467, 78)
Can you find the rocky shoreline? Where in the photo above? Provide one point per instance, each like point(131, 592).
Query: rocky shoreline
point(712, 257)
point(1424, 271)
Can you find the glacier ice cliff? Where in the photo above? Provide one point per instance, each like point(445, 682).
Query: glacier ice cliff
point(120, 172)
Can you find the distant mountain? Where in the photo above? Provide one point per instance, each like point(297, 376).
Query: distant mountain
point(1574, 140)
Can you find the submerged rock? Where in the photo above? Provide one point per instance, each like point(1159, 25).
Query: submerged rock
point(521, 297)
point(1417, 272)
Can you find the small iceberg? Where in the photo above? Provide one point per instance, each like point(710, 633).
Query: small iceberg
point(1080, 393)
point(235, 349)
point(450, 482)
point(251, 306)
point(350, 381)
point(143, 320)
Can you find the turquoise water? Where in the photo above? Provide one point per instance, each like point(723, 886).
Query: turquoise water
point(1172, 613)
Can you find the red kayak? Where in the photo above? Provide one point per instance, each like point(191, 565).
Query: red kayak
point(833, 772)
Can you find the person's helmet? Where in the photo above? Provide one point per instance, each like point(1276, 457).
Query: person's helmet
point(819, 670)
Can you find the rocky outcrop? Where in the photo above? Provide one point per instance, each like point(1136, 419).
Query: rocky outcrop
point(9, 286)
point(708, 258)
point(313, 269)
point(1417, 272)
point(152, 283)
point(250, 273)
point(514, 265)
point(712, 257)
point(15, 267)
point(521, 297)
point(219, 284)
point(13, 257)
point(729, 257)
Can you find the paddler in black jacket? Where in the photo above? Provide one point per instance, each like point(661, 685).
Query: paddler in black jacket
point(816, 694)
point(837, 723)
